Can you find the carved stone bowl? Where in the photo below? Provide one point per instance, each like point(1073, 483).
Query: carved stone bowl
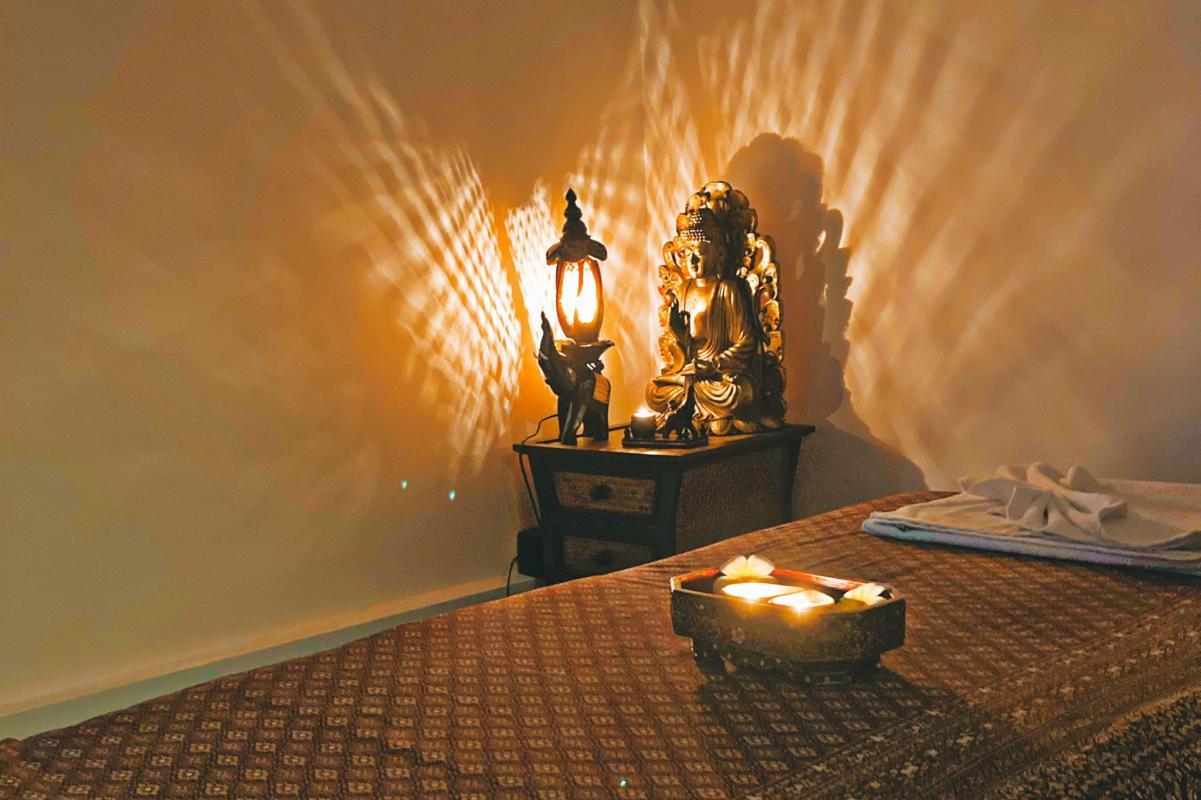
point(834, 641)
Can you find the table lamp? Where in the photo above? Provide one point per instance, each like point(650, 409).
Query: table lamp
point(573, 366)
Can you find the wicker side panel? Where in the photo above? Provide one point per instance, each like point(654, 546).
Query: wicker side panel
point(734, 495)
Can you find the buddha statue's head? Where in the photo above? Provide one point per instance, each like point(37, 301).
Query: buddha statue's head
point(711, 234)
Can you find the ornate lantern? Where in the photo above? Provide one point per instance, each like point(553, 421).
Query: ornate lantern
point(579, 296)
point(573, 366)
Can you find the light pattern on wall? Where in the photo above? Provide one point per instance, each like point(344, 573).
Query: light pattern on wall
point(982, 174)
point(610, 177)
point(531, 229)
point(926, 145)
point(419, 213)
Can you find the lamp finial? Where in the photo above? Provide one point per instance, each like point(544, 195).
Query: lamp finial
point(575, 243)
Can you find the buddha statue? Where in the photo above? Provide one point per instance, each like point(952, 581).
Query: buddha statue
point(720, 336)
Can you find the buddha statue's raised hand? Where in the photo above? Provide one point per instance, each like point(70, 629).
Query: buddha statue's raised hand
point(679, 323)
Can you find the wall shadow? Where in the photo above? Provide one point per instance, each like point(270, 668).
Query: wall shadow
point(841, 462)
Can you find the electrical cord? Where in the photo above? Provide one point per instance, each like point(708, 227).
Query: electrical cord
point(525, 478)
point(509, 576)
point(538, 427)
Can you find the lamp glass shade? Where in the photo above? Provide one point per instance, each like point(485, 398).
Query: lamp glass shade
point(579, 300)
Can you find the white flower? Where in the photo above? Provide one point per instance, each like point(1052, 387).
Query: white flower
point(748, 567)
point(868, 594)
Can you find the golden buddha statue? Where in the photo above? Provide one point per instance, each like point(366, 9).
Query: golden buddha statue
point(720, 318)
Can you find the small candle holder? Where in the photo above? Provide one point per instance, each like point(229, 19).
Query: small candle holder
point(674, 429)
point(646, 431)
point(643, 424)
point(810, 626)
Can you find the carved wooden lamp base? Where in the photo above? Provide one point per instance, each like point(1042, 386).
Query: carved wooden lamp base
point(582, 390)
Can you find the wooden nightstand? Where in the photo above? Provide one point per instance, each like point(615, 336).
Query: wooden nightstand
point(606, 508)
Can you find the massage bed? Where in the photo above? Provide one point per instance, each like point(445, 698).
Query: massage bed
point(1020, 677)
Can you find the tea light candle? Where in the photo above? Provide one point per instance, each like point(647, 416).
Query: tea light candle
point(643, 424)
point(803, 599)
point(757, 590)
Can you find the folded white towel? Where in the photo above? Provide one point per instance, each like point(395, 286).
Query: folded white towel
point(1185, 561)
point(1036, 509)
point(1040, 498)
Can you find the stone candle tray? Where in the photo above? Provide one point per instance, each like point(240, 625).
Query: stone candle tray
point(828, 641)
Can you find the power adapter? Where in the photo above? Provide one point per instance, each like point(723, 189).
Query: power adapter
point(529, 553)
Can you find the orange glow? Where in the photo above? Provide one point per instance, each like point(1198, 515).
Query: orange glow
point(883, 114)
point(569, 295)
point(410, 215)
point(757, 590)
point(529, 228)
point(587, 301)
point(803, 600)
point(581, 307)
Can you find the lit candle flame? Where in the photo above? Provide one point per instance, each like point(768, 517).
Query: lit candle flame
point(757, 590)
point(803, 599)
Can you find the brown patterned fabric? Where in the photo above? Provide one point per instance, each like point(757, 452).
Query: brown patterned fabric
point(1020, 677)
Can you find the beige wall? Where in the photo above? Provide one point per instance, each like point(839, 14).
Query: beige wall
point(261, 265)
point(1021, 185)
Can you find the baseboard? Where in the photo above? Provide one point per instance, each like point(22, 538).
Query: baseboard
point(56, 711)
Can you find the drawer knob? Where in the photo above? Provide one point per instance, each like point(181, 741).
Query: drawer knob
point(600, 491)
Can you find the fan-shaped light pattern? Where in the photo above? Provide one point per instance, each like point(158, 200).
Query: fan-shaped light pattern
point(989, 185)
point(971, 149)
point(419, 212)
point(531, 229)
point(610, 178)
point(671, 147)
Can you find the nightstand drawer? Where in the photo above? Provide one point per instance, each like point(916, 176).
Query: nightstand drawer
point(594, 556)
point(583, 491)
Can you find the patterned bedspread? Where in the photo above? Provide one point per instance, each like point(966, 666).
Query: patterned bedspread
point(1020, 678)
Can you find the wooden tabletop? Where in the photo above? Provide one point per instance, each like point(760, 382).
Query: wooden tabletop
point(717, 446)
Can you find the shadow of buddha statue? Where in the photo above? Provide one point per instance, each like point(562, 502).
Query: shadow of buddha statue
point(719, 317)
